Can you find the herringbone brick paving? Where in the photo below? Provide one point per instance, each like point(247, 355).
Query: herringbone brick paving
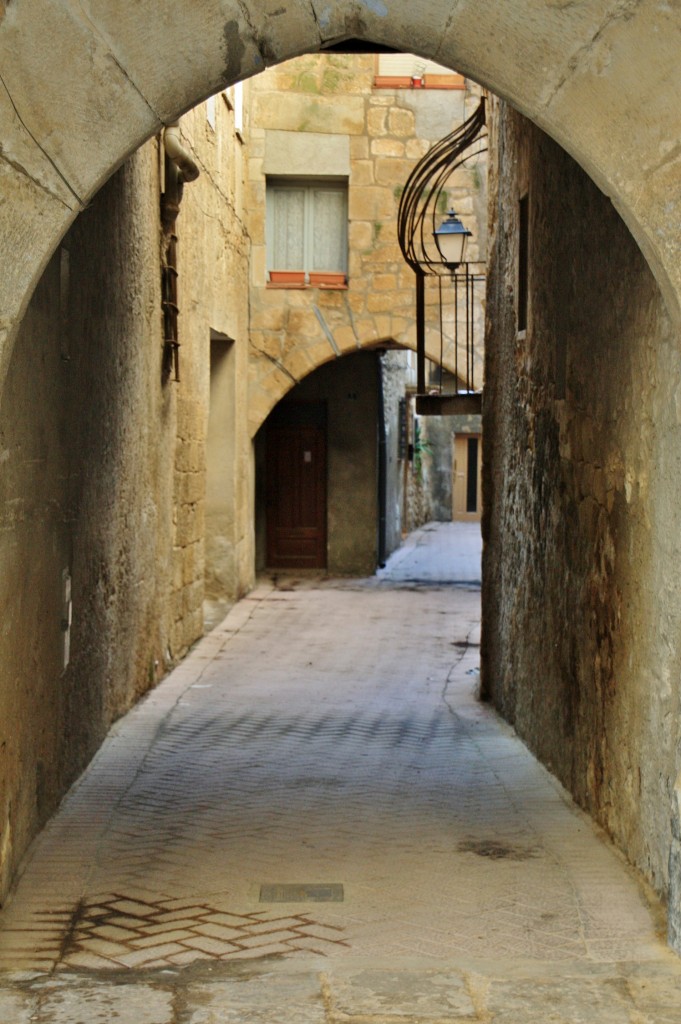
point(327, 732)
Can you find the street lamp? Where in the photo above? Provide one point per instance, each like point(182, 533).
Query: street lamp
point(441, 252)
point(450, 239)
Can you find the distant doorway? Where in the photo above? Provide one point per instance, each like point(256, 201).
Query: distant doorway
point(466, 485)
point(296, 487)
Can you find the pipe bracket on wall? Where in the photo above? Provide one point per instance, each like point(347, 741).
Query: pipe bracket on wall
point(179, 167)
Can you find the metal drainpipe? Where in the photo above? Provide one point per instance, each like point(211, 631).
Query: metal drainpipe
point(180, 167)
point(178, 154)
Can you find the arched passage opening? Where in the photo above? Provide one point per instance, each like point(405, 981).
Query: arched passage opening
point(580, 73)
point(317, 473)
point(340, 473)
point(584, 94)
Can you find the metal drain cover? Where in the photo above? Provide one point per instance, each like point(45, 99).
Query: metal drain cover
point(302, 892)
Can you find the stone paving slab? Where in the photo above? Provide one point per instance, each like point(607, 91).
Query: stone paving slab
point(437, 553)
point(103, 1004)
point(329, 734)
point(275, 992)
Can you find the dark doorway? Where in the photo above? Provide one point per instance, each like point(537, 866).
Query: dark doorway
point(296, 486)
point(472, 481)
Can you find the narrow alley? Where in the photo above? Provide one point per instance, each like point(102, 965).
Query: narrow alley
point(313, 819)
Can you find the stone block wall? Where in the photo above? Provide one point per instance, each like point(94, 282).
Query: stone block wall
point(331, 98)
point(213, 537)
point(582, 464)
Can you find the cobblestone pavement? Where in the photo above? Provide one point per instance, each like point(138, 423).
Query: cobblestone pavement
point(313, 819)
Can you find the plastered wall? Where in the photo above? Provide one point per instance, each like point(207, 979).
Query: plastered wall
point(582, 423)
point(83, 492)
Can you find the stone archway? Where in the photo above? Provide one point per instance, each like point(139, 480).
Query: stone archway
point(83, 85)
point(271, 382)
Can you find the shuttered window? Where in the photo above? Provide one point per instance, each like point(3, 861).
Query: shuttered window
point(307, 225)
point(402, 70)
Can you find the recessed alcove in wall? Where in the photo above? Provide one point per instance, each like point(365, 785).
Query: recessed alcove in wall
point(220, 492)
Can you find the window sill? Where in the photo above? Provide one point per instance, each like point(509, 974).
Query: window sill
point(452, 81)
point(300, 279)
point(302, 286)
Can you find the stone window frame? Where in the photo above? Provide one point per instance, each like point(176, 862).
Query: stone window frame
point(306, 276)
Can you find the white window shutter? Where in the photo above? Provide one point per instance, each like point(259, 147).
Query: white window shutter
point(329, 229)
point(288, 227)
point(408, 65)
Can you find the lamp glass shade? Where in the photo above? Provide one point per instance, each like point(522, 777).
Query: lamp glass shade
point(451, 238)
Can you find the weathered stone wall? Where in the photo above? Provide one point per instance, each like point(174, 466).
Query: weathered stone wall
point(213, 468)
point(83, 420)
point(331, 99)
point(439, 435)
point(581, 607)
point(395, 374)
point(103, 476)
point(419, 480)
point(84, 86)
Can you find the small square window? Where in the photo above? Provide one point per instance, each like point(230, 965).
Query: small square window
point(307, 227)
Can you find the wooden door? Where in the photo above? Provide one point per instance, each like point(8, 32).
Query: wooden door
point(467, 473)
point(296, 496)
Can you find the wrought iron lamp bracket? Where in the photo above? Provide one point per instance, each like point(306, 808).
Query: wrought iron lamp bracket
point(419, 209)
